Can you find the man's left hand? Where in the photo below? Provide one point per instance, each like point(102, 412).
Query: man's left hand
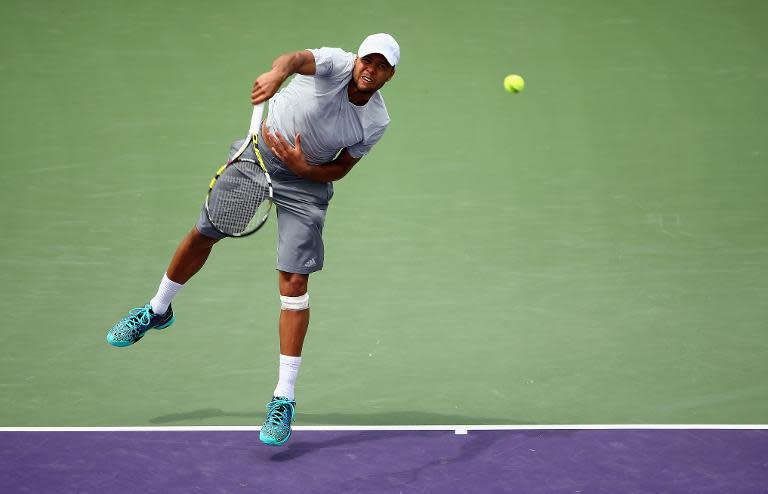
point(291, 155)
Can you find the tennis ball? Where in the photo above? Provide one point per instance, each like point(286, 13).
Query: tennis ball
point(513, 83)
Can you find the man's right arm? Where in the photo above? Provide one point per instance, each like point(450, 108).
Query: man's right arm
point(266, 85)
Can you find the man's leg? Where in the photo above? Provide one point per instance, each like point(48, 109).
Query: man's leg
point(190, 256)
point(294, 321)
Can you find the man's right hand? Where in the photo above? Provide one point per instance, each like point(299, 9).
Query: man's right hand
point(265, 86)
point(284, 66)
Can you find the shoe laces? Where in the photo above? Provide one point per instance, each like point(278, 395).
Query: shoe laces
point(278, 409)
point(139, 316)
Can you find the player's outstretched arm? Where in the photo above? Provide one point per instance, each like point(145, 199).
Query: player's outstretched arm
point(266, 85)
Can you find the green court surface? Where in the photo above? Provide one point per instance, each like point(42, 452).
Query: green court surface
point(593, 250)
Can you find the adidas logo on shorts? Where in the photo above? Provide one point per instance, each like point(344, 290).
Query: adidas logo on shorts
point(310, 263)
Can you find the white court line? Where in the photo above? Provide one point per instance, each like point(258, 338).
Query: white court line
point(458, 429)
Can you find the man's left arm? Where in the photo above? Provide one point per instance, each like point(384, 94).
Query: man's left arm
point(293, 157)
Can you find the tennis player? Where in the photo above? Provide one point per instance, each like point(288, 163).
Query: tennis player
point(318, 127)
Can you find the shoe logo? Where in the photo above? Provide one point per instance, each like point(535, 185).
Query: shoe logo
point(310, 263)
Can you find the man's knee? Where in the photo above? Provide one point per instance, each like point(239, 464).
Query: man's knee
point(293, 284)
point(201, 240)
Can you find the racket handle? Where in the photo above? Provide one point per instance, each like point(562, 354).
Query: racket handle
point(258, 111)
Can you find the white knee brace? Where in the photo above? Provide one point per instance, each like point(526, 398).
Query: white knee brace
point(295, 303)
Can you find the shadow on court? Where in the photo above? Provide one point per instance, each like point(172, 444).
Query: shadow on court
point(470, 449)
point(355, 419)
point(204, 413)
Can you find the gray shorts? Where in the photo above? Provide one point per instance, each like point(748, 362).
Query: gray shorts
point(301, 208)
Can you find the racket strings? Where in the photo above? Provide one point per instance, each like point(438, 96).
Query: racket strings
point(240, 199)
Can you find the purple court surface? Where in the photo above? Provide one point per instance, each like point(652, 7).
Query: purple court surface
point(385, 461)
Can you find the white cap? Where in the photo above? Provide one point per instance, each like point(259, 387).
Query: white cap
point(381, 43)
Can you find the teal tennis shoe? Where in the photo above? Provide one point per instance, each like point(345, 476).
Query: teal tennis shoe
point(132, 327)
point(277, 428)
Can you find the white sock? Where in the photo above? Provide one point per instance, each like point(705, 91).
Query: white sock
point(165, 293)
point(289, 370)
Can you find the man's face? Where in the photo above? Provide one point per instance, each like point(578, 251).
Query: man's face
point(371, 72)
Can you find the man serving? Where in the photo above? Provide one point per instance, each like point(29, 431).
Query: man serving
point(318, 127)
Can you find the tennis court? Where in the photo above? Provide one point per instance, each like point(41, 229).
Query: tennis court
point(580, 269)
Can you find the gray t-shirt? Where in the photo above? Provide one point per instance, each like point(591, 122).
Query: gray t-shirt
point(319, 109)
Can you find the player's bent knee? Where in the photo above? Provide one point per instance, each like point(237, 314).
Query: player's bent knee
point(200, 239)
point(294, 303)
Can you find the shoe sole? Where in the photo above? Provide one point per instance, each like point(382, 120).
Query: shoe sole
point(271, 442)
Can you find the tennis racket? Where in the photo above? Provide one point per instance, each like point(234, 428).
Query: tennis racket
point(240, 195)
